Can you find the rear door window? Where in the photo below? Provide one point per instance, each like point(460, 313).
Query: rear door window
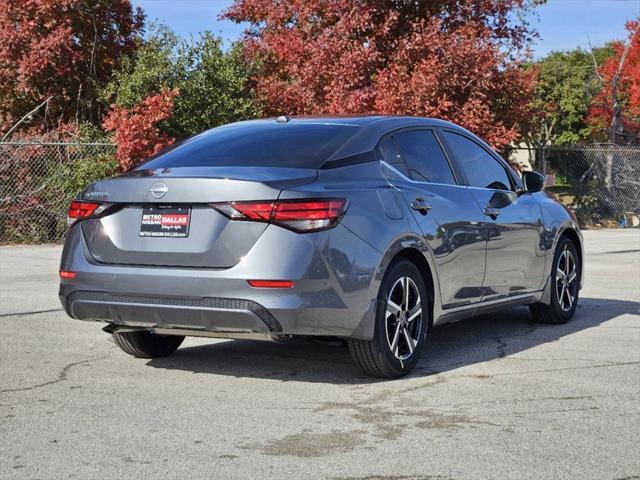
point(477, 165)
point(390, 154)
point(424, 157)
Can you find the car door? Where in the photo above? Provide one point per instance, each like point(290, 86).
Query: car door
point(515, 259)
point(446, 213)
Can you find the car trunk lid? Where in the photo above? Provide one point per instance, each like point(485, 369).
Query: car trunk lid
point(209, 240)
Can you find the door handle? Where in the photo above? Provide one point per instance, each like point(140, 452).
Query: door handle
point(420, 205)
point(491, 212)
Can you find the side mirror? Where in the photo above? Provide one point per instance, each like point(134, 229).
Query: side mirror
point(533, 182)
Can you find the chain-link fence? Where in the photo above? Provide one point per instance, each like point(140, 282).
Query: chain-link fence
point(37, 182)
point(598, 182)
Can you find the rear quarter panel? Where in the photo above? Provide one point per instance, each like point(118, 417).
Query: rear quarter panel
point(557, 220)
point(377, 214)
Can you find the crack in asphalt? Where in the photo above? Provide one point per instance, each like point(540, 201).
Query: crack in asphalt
point(546, 370)
point(62, 376)
point(477, 402)
point(538, 412)
point(34, 312)
point(525, 372)
point(501, 347)
point(502, 342)
point(396, 477)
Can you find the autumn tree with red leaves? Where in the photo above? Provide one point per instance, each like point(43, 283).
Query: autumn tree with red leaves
point(452, 59)
point(136, 131)
point(63, 49)
point(615, 112)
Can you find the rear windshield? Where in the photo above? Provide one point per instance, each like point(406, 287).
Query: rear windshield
point(295, 145)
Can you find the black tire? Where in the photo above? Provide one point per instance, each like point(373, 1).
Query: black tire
point(556, 313)
point(375, 357)
point(144, 344)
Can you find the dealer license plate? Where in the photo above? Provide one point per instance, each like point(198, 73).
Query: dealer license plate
point(165, 222)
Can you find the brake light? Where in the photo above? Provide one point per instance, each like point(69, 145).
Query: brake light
point(300, 215)
point(79, 210)
point(82, 209)
point(256, 211)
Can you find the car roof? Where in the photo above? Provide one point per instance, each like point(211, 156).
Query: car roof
point(370, 128)
point(369, 133)
point(356, 120)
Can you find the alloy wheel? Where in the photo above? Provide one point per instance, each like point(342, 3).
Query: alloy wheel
point(566, 280)
point(403, 318)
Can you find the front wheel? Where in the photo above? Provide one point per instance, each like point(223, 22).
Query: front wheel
point(565, 286)
point(144, 344)
point(402, 320)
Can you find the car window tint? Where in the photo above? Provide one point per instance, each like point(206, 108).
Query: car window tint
point(480, 168)
point(424, 157)
point(390, 154)
point(259, 144)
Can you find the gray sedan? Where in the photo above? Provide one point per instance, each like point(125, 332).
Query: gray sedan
point(372, 229)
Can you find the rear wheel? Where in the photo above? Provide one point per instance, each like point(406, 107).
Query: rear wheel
point(565, 286)
point(402, 320)
point(144, 344)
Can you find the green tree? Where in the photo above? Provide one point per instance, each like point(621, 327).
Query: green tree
point(213, 87)
point(212, 83)
point(567, 82)
point(152, 67)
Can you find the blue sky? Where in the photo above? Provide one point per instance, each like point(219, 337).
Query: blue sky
point(562, 24)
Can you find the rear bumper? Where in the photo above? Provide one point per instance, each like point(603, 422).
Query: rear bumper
point(204, 314)
point(335, 287)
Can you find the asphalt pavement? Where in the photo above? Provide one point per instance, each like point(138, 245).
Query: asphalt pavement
point(494, 397)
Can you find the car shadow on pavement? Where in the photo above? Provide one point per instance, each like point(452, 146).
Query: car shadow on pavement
point(449, 347)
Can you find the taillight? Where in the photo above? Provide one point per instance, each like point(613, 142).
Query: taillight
point(79, 210)
point(308, 215)
point(300, 215)
point(256, 211)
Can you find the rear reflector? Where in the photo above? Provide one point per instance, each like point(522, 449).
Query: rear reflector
point(300, 215)
point(271, 283)
point(67, 274)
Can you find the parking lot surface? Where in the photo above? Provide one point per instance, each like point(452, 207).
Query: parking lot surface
point(493, 397)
